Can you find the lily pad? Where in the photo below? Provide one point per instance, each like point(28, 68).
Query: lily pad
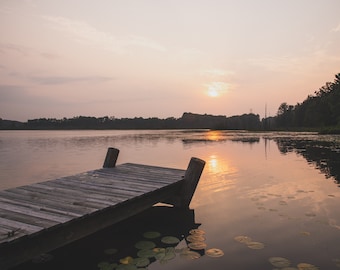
point(170, 240)
point(165, 255)
point(126, 267)
point(126, 260)
point(169, 256)
point(146, 253)
point(158, 250)
point(279, 262)
point(189, 254)
point(214, 252)
point(107, 266)
point(255, 245)
point(195, 238)
point(151, 235)
point(243, 239)
point(306, 266)
point(305, 233)
point(197, 231)
point(197, 245)
point(141, 262)
point(145, 245)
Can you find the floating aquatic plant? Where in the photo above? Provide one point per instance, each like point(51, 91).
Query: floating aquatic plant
point(151, 235)
point(249, 242)
point(166, 255)
point(279, 262)
point(306, 266)
point(170, 240)
point(197, 245)
point(310, 214)
point(242, 239)
point(126, 267)
point(145, 245)
point(195, 238)
point(141, 262)
point(197, 231)
point(189, 254)
point(146, 253)
point(126, 260)
point(157, 250)
point(107, 266)
point(214, 252)
point(255, 245)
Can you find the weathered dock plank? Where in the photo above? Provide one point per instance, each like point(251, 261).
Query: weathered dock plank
point(40, 217)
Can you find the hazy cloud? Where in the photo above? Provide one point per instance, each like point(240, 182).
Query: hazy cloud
point(25, 51)
point(84, 32)
point(11, 93)
point(5, 47)
point(336, 29)
point(56, 80)
point(217, 72)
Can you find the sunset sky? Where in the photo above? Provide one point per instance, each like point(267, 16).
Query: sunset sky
point(160, 58)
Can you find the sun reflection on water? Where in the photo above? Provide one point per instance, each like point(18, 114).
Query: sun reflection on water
point(220, 175)
point(214, 135)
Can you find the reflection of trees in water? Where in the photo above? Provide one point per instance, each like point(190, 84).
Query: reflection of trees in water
point(324, 155)
point(249, 140)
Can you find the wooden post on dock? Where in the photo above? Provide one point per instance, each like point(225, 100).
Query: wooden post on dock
point(111, 157)
point(191, 178)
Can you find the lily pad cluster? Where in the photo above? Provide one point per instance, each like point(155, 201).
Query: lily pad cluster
point(285, 264)
point(149, 251)
point(243, 239)
point(196, 241)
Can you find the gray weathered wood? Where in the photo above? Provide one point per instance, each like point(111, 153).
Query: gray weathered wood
point(40, 217)
point(111, 157)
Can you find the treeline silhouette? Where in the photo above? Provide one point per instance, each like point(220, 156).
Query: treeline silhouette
point(320, 111)
point(187, 121)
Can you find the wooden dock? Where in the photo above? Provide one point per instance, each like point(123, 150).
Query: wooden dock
point(38, 218)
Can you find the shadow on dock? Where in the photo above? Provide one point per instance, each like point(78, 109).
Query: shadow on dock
point(155, 235)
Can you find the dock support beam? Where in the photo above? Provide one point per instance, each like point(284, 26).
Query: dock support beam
point(111, 157)
point(191, 178)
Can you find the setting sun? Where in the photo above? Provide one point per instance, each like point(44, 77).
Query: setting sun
point(215, 89)
point(212, 92)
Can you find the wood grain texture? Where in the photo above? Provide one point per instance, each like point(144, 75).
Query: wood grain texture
point(43, 216)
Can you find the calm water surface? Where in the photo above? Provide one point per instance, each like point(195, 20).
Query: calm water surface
point(281, 190)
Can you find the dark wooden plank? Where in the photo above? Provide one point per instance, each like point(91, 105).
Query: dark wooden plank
point(34, 212)
point(129, 182)
point(42, 205)
point(109, 197)
point(67, 198)
point(36, 195)
point(131, 179)
point(16, 225)
point(129, 187)
point(27, 219)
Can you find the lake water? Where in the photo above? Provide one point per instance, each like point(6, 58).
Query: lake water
point(266, 200)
